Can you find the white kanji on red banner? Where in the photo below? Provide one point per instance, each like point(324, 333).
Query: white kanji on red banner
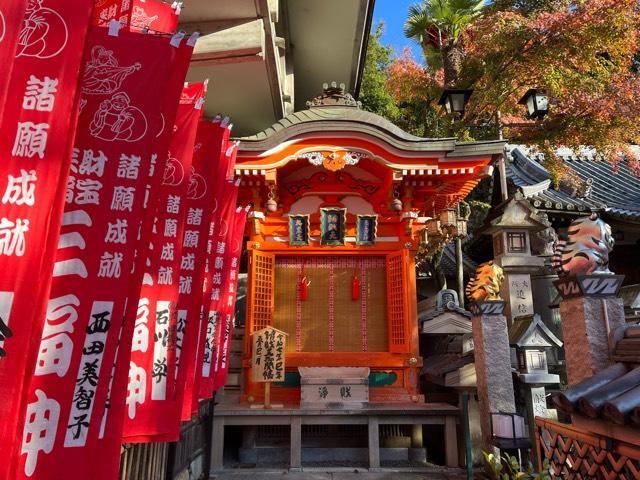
point(40, 429)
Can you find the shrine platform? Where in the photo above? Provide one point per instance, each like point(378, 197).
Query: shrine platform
point(373, 415)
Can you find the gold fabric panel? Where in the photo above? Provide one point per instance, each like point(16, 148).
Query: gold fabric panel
point(377, 326)
point(315, 314)
point(348, 334)
point(284, 313)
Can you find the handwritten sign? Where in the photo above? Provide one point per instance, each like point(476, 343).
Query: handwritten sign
point(298, 230)
point(332, 226)
point(366, 229)
point(267, 358)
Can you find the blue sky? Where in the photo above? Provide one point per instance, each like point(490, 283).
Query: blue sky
point(393, 13)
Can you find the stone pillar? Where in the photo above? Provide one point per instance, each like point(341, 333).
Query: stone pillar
point(493, 364)
point(590, 310)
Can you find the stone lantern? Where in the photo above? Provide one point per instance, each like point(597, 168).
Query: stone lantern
point(531, 339)
point(511, 229)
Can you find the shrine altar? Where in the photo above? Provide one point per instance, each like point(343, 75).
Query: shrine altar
point(339, 199)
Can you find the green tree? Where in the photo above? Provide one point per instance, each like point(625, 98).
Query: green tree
point(374, 95)
point(582, 53)
point(438, 25)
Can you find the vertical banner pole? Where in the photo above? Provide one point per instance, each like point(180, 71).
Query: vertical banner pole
point(267, 395)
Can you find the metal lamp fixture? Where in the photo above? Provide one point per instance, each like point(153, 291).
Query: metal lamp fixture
point(461, 227)
point(433, 227)
point(448, 217)
point(537, 103)
point(272, 205)
point(455, 99)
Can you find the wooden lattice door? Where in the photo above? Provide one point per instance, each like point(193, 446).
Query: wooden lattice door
point(396, 304)
point(260, 294)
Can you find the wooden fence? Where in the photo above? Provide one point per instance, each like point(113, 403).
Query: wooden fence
point(578, 455)
point(187, 459)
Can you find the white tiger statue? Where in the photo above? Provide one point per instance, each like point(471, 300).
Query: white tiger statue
point(586, 249)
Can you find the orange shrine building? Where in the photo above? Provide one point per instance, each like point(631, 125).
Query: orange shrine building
point(340, 197)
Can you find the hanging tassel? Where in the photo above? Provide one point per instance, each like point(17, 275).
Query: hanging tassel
point(302, 288)
point(355, 288)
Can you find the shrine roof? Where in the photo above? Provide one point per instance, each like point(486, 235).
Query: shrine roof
point(612, 394)
point(448, 260)
point(436, 367)
point(336, 111)
point(617, 195)
point(521, 333)
point(352, 120)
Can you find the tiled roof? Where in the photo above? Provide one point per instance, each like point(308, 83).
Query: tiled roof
point(437, 366)
point(448, 261)
point(615, 194)
point(612, 394)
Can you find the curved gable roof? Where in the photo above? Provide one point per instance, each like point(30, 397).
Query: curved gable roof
point(337, 112)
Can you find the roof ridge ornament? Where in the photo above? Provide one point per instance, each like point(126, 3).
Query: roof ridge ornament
point(334, 95)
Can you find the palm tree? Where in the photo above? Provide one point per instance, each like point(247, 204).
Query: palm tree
point(437, 25)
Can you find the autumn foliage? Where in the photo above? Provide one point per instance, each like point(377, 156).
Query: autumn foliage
point(582, 53)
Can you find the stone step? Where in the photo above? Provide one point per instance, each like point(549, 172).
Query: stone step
point(237, 345)
point(235, 362)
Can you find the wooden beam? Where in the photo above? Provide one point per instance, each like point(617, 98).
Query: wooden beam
point(451, 442)
point(296, 443)
point(374, 444)
point(217, 445)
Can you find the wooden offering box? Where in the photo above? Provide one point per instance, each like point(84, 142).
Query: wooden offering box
point(342, 388)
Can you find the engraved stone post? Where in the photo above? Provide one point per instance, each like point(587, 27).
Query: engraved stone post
point(589, 310)
point(493, 364)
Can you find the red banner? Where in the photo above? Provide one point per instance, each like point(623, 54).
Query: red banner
point(35, 147)
point(107, 10)
point(152, 362)
point(153, 15)
point(139, 15)
point(11, 15)
point(119, 118)
point(108, 441)
point(212, 154)
point(227, 303)
point(218, 268)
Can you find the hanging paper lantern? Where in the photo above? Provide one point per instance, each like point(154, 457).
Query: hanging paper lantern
point(302, 288)
point(355, 288)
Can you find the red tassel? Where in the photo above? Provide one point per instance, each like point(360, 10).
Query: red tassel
point(355, 288)
point(302, 288)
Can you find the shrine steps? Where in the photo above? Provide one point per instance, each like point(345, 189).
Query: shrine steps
point(230, 394)
point(326, 456)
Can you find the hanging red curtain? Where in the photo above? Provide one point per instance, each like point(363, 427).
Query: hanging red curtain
point(355, 283)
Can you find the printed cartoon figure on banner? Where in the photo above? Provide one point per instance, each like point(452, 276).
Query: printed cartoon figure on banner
point(44, 32)
point(267, 356)
point(103, 74)
point(173, 173)
point(140, 19)
point(116, 119)
point(197, 186)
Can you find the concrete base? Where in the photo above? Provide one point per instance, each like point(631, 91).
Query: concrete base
point(418, 455)
point(274, 455)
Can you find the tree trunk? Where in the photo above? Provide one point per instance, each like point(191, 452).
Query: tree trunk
point(452, 57)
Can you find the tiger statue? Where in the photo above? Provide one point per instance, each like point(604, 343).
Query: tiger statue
point(586, 249)
point(485, 286)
